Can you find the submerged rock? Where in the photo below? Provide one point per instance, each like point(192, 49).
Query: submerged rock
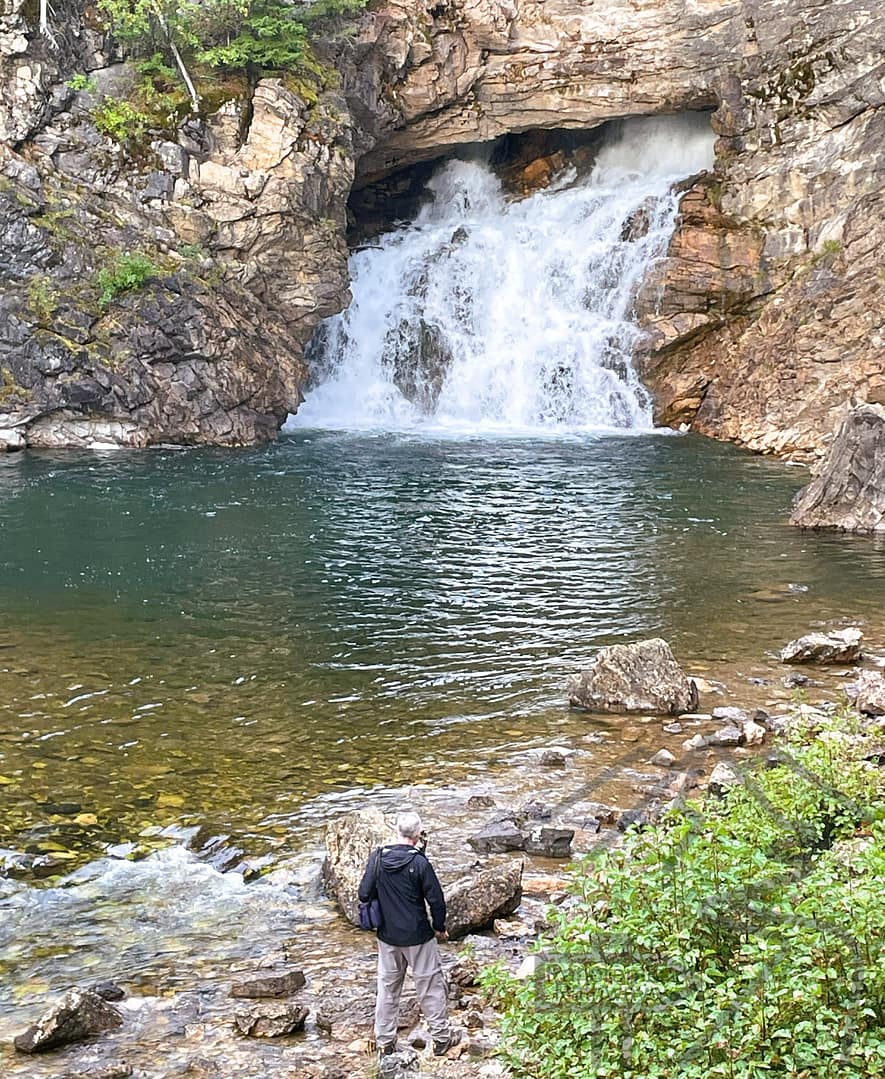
point(349, 842)
point(270, 1020)
point(80, 1014)
point(848, 492)
point(474, 902)
point(640, 677)
point(841, 646)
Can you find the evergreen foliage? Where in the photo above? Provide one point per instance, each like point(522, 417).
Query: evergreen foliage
point(741, 939)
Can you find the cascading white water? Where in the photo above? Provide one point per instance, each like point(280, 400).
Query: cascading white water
point(492, 314)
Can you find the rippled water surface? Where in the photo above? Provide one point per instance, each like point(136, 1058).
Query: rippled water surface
point(256, 640)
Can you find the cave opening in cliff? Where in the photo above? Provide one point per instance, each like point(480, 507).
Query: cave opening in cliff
point(524, 162)
point(495, 289)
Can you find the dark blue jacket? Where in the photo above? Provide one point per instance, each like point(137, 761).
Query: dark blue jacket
point(406, 881)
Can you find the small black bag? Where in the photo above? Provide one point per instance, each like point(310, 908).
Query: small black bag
point(370, 913)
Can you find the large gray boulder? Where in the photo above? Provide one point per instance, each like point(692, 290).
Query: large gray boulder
point(474, 902)
point(841, 646)
point(349, 842)
point(79, 1014)
point(640, 677)
point(848, 492)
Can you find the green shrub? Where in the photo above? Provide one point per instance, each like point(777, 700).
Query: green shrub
point(121, 121)
point(42, 299)
point(127, 273)
point(81, 82)
point(741, 939)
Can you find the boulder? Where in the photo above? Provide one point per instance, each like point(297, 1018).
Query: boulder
point(476, 901)
point(841, 646)
point(868, 693)
point(79, 1014)
point(270, 1020)
point(550, 842)
point(848, 491)
point(640, 677)
point(498, 837)
point(734, 716)
point(725, 736)
point(271, 983)
point(349, 842)
point(663, 759)
point(722, 777)
point(753, 733)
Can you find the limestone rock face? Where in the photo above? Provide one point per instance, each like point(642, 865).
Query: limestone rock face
point(641, 677)
point(848, 492)
point(79, 1014)
point(349, 842)
point(766, 317)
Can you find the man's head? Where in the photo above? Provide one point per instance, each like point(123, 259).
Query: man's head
point(408, 827)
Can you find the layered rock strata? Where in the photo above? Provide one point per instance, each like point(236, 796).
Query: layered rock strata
point(763, 323)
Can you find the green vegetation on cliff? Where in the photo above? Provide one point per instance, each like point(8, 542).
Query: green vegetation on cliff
point(741, 939)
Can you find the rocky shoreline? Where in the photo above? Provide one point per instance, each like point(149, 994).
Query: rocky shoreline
point(329, 1000)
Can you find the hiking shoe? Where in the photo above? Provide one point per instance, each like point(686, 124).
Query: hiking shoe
point(387, 1050)
point(440, 1048)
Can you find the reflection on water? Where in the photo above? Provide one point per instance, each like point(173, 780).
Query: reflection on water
point(259, 639)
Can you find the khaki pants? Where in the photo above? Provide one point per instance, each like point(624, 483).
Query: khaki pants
point(424, 963)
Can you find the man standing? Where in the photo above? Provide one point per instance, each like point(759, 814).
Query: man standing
point(406, 885)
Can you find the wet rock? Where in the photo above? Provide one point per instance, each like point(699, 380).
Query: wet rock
point(550, 842)
point(640, 677)
point(80, 1014)
point(474, 902)
point(324, 1022)
point(555, 758)
point(734, 716)
point(403, 1061)
point(848, 491)
point(753, 733)
point(697, 741)
point(725, 736)
point(534, 811)
point(722, 777)
point(498, 837)
point(841, 646)
point(638, 818)
point(270, 1020)
point(108, 991)
point(663, 759)
point(481, 801)
point(868, 693)
point(272, 983)
point(673, 728)
point(349, 842)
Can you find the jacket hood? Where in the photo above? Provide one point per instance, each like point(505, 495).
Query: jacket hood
point(398, 856)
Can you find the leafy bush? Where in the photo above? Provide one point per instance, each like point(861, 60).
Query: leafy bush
point(738, 942)
point(121, 121)
point(81, 82)
point(128, 272)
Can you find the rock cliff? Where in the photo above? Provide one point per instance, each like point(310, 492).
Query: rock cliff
point(764, 322)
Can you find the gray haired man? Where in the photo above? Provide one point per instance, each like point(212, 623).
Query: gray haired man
point(406, 886)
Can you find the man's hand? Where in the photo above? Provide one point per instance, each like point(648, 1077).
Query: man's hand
point(442, 936)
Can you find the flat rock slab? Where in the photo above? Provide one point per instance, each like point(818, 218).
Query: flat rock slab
point(498, 837)
point(270, 983)
point(639, 677)
point(270, 1020)
point(80, 1014)
point(842, 646)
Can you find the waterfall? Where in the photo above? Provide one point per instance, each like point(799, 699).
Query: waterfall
point(492, 314)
